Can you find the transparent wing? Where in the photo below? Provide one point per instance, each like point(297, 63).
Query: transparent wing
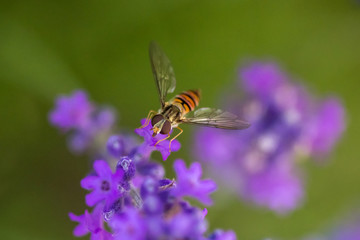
point(216, 118)
point(163, 71)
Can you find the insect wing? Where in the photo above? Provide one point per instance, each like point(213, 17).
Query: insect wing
point(216, 118)
point(163, 72)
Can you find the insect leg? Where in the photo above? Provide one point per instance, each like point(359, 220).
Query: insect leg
point(148, 118)
point(162, 139)
point(181, 131)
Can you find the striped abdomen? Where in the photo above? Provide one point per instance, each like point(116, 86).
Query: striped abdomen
point(187, 100)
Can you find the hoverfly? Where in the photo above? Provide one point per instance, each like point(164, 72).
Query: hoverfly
point(177, 110)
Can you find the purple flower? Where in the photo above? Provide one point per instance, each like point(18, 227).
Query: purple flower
point(116, 146)
point(156, 215)
point(89, 124)
point(279, 188)
point(104, 185)
point(147, 168)
point(135, 202)
point(215, 146)
point(79, 141)
point(261, 79)
point(122, 145)
point(128, 225)
point(91, 223)
point(153, 205)
point(71, 112)
point(187, 225)
point(155, 227)
point(149, 142)
point(104, 118)
point(325, 128)
point(149, 186)
point(189, 183)
point(81, 229)
point(260, 163)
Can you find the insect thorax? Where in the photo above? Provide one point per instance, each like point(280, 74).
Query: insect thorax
point(171, 112)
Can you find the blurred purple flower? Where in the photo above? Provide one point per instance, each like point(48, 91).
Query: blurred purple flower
point(104, 118)
point(128, 225)
point(279, 188)
point(261, 79)
point(72, 112)
point(187, 224)
point(324, 129)
point(260, 162)
point(86, 122)
point(79, 142)
point(190, 184)
point(115, 146)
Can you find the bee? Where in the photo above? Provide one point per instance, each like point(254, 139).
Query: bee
point(180, 109)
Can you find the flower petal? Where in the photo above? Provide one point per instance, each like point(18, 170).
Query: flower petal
point(102, 168)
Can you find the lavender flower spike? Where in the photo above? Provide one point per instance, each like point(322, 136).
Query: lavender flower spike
point(189, 182)
point(260, 163)
point(135, 201)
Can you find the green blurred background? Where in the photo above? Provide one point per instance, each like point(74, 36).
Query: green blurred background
point(53, 47)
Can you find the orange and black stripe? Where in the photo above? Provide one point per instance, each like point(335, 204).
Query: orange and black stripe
point(188, 100)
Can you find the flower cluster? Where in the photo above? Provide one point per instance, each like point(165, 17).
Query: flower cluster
point(260, 163)
point(132, 199)
point(86, 122)
point(137, 202)
point(89, 126)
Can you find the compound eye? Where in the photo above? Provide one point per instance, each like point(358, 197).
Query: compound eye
point(166, 127)
point(157, 118)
